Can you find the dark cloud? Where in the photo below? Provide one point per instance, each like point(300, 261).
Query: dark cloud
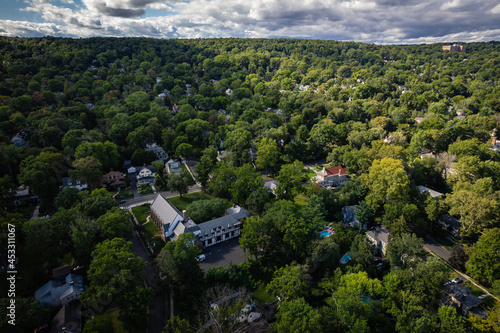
point(118, 12)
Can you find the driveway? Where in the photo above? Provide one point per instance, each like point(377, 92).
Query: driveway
point(434, 246)
point(133, 185)
point(223, 254)
point(157, 314)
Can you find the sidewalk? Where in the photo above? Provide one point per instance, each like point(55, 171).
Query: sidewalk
point(464, 276)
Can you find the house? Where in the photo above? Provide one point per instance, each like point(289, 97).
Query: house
point(160, 153)
point(495, 145)
point(145, 175)
point(23, 195)
point(451, 224)
point(238, 212)
point(217, 230)
point(21, 138)
point(173, 166)
point(67, 320)
point(60, 293)
point(113, 179)
point(462, 299)
point(175, 108)
point(79, 183)
point(454, 48)
point(223, 155)
point(271, 186)
point(424, 155)
point(432, 193)
point(349, 216)
point(166, 216)
point(380, 238)
point(61, 271)
point(332, 176)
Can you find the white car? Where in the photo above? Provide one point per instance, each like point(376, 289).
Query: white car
point(456, 280)
point(201, 257)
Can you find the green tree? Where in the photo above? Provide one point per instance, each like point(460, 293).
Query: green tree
point(178, 261)
point(180, 182)
point(364, 214)
point(237, 141)
point(116, 275)
point(475, 212)
point(105, 152)
point(205, 210)
point(247, 181)
point(297, 316)
point(39, 176)
point(289, 179)
point(223, 178)
point(404, 250)
point(184, 149)
point(386, 181)
point(268, 154)
point(205, 166)
point(484, 258)
point(114, 224)
point(451, 322)
point(88, 169)
point(290, 282)
point(33, 314)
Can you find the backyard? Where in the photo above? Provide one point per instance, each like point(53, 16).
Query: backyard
point(182, 202)
point(117, 324)
point(141, 212)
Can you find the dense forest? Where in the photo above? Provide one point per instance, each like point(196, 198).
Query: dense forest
point(395, 116)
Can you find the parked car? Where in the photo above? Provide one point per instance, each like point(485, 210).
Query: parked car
point(201, 257)
point(456, 280)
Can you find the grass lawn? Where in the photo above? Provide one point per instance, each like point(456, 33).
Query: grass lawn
point(441, 238)
point(300, 200)
point(126, 193)
point(307, 173)
point(475, 290)
point(141, 212)
point(151, 229)
point(182, 203)
point(117, 324)
point(145, 189)
point(261, 296)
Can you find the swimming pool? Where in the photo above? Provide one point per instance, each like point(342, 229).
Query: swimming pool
point(345, 258)
point(325, 233)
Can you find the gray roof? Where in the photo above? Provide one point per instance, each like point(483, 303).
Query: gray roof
point(379, 233)
point(431, 192)
point(450, 221)
point(225, 221)
point(68, 318)
point(238, 212)
point(463, 295)
point(165, 209)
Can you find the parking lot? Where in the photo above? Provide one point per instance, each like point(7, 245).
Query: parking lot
point(223, 254)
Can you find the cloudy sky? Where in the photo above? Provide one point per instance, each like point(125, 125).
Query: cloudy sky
point(378, 21)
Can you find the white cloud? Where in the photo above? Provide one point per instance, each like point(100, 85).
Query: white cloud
point(381, 21)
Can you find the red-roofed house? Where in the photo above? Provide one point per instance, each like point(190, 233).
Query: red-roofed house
point(337, 175)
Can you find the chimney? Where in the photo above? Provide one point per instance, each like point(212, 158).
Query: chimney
point(340, 170)
point(184, 215)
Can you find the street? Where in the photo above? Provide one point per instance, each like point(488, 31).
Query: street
point(435, 247)
point(150, 197)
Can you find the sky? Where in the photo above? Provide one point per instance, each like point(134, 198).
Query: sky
point(370, 21)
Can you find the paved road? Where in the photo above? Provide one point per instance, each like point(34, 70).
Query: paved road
point(150, 197)
point(157, 312)
point(435, 247)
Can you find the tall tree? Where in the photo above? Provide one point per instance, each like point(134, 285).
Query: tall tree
point(484, 257)
point(89, 169)
point(267, 154)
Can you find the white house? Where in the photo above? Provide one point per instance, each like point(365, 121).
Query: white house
point(145, 175)
point(79, 183)
point(160, 153)
point(173, 166)
point(380, 238)
point(336, 175)
point(58, 293)
point(432, 193)
point(271, 186)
